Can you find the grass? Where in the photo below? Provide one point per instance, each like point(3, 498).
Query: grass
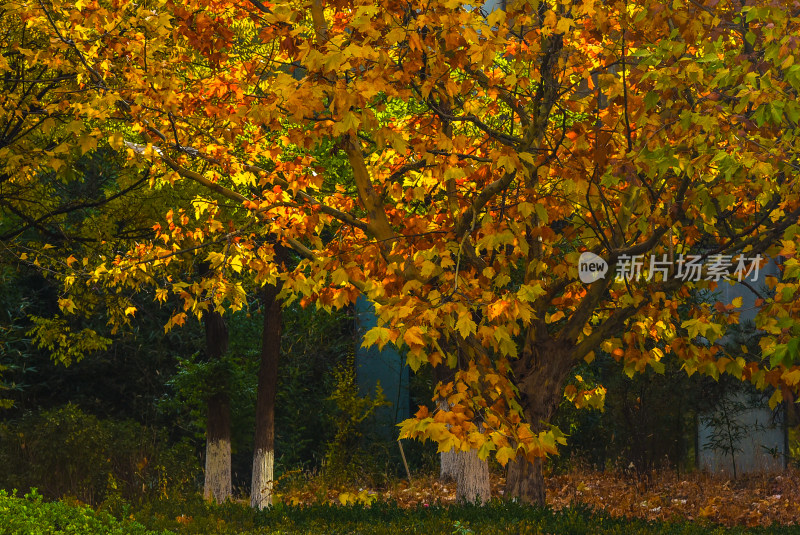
point(579, 502)
point(30, 515)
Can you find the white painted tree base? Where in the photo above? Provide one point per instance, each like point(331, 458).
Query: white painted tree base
point(218, 471)
point(263, 479)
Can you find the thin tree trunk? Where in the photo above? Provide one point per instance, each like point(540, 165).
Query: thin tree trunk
point(264, 442)
point(217, 485)
point(448, 460)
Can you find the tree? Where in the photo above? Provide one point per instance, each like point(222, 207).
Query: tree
point(67, 194)
point(485, 157)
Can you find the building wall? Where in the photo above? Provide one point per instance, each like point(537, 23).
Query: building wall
point(761, 448)
point(763, 445)
point(386, 366)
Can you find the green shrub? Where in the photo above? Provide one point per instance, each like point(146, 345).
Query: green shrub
point(32, 516)
point(314, 343)
point(66, 452)
point(352, 456)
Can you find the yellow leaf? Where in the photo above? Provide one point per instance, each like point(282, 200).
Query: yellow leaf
point(177, 319)
point(339, 277)
point(130, 311)
point(496, 17)
point(791, 378)
point(776, 398)
point(707, 511)
point(550, 18)
point(563, 25)
point(504, 454)
point(485, 449)
point(412, 337)
point(66, 305)
point(465, 325)
point(446, 444)
point(376, 335)
point(116, 140)
point(87, 143)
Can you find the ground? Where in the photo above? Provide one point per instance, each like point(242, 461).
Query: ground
point(750, 500)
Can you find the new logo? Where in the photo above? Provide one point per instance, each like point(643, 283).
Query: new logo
point(591, 268)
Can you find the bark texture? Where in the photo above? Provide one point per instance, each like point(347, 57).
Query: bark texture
point(448, 460)
point(264, 441)
point(217, 485)
point(448, 466)
point(525, 481)
point(472, 478)
point(465, 468)
point(540, 376)
point(218, 450)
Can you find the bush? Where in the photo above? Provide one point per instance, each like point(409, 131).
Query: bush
point(31, 516)
point(352, 455)
point(648, 419)
point(65, 452)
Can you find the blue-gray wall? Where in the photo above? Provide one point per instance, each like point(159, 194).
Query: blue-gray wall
point(386, 366)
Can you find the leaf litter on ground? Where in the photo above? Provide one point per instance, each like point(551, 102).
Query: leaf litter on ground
point(664, 495)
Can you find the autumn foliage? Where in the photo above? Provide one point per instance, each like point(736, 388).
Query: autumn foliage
point(449, 164)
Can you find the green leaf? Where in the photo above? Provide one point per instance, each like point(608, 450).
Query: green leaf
point(778, 355)
point(792, 350)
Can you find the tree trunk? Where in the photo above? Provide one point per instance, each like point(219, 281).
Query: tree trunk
point(448, 460)
point(472, 478)
point(217, 485)
point(448, 466)
point(465, 468)
point(525, 481)
point(264, 442)
point(540, 379)
point(218, 449)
